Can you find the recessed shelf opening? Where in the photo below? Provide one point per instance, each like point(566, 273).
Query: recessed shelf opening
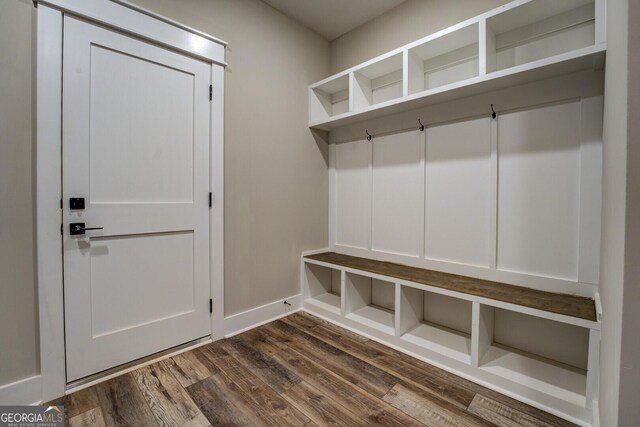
point(323, 287)
point(436, 322)
point(378, 82)
point(447, 59)
point(370, 302)
point(542, 354)
point(537, 30)
point(330, 99)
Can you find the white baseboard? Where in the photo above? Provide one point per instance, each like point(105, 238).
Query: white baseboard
point(254, 317)
point(23, 392)
point(596, 414)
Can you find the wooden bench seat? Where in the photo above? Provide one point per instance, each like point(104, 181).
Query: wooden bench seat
point(565, 304)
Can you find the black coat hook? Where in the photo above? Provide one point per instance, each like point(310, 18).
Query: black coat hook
point(493, 112)
point(369, 136)
point(421, 127)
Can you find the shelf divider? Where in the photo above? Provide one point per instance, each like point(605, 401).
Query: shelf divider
point(481, 331)
point(411, 307)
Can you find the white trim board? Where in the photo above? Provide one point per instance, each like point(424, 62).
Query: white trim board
point(21, 392)
point(162, 18)
point(143, 25)
point(48, 194)
point(252, 318)
point(216, 212)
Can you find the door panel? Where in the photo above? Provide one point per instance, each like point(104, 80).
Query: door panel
point(136, 147)
point(122, 139)
point(120, 280)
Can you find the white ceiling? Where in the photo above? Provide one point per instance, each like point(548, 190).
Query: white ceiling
point(333, 18)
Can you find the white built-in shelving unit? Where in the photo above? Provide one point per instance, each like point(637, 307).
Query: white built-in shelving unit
point(466, 195)
point(523, 41)
point(485, 340)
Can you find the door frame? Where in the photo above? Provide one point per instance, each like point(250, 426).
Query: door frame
point(146, 25)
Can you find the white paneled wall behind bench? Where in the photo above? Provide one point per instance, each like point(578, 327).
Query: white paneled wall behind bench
point(514, 199)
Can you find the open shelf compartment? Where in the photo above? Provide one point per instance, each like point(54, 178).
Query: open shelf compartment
point(323, 287)
point(539, 29)
point(436, 322)
point(448, 59)
point(370, 302)
point(541, 354)
point(329, 99)
point(378, 82)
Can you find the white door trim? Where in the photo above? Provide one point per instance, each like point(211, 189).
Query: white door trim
point(142, 24)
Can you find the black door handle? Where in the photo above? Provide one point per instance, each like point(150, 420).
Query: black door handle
point(78, 228)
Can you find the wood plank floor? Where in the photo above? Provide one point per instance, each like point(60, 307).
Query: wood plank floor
point(296, 371)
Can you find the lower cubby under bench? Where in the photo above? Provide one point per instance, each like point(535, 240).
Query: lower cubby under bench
point(539, 347)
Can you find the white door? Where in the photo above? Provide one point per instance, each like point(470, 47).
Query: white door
point(136, 148)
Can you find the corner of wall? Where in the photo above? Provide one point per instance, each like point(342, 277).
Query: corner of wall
point(613, 213)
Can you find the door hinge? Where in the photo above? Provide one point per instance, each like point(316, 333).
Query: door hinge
point(210, 92)
point(61, 229)
point(210, 305)
point(61, 203)
point(210, 199)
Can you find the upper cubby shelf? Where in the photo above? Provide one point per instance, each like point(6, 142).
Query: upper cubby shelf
point(448, 59)
point(523, 41)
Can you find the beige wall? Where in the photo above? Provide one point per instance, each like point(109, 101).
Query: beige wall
point(276, 176)
point(620, 278)
point(18, 318)
point(613, 212)
point(629, 410)
point(409, 21)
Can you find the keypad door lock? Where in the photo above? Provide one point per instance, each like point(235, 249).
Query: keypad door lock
point(76, 203)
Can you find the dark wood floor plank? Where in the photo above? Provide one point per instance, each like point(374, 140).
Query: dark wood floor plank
point(91, 418)
point(569, 305)
point(168, 400)
point(80, 401)
point(262, 365)
point(354, 370)
point(501, 415)
point(362, 404)
point(429, 409)
point(224, 404)
point(189, 368)
point(254, 387)
point(316, 321)
point(122, 403)
point(401, 369)
point(303, 321)
point(320, 408)
point(261, 341)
